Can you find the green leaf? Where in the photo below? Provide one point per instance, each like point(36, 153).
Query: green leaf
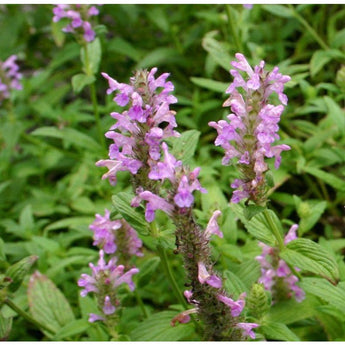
point(291, 311)
point(157, 328)
point(309, 212)
point(47, 304)
point(335, 114)
point(75, 327)
point(120, 46)
point(260, 228)
point(330, 179)
point(321, 57)
point(19, 270)
point(252, 210)
point(323, 289)
point(147, 270)
point(278, 331)
point(210, 84)
point(310, 256)
point(58, 35)
point(70, 136)
point(79, 81)
point(278, 10)
point(160, 56)
point(217, 50)
point(94, 51)
point(122, 203)
point(233, 284)
point(5, 327)
point(70, 223)
point(184, 147)
point(2, 250)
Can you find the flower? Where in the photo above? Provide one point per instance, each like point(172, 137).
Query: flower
point(275, 272)
point(105, 274)
point(117, 235)
point(235, 306)
point(9, 77)
point(79, 17)
point(154, 202)
point(248, 134)
point(205, 277)
point(247, 329)
point(212, 226)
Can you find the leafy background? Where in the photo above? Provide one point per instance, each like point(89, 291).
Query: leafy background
point(50, 188)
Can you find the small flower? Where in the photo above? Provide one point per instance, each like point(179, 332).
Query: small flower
point(108, 308)
point(183, 317)
point(212, 226)
point(247, 329)
point(235, 306)
point(205, 277)
point(154, 202)
point(94, 317)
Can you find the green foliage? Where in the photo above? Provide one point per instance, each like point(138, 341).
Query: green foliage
point(49, 306)
point(50, 188)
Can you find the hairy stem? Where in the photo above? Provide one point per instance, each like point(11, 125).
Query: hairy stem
point(27, 316)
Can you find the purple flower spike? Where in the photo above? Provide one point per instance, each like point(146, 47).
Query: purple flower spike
point(249, 133)
point(10, 77)
point(79, 17)
point(247, 329)
point(274, 269)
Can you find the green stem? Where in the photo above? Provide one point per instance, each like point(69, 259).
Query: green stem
point(141, 304)
point(27, 316)
point(232, 29)
point(164, 259)
point(312, 32)
point(93, 95)
point(274, 229)
point(165, 262)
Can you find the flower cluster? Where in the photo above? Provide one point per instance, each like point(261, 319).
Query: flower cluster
point(276, 276)
point(139, 131)
point(9, 77)
point(103, 281)
point(251, 128)
point(79, 17)
point(110, 235)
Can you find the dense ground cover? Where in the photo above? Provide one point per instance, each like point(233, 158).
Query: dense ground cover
point(52, 134)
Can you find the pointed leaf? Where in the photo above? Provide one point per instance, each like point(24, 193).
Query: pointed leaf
point(47, 303)
point(311, 257)
point(122, 203)
point(323, 289)
point(94, 51)
point(217, 50)
point(321, 57)
point(19, 270)
point(157, 328)
point(79, 81)
point(5, 327)
point(278, 331)
point(278, 10)
point(210, 84)
point(75, 327)
point(330, 179)
point(184, 147)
